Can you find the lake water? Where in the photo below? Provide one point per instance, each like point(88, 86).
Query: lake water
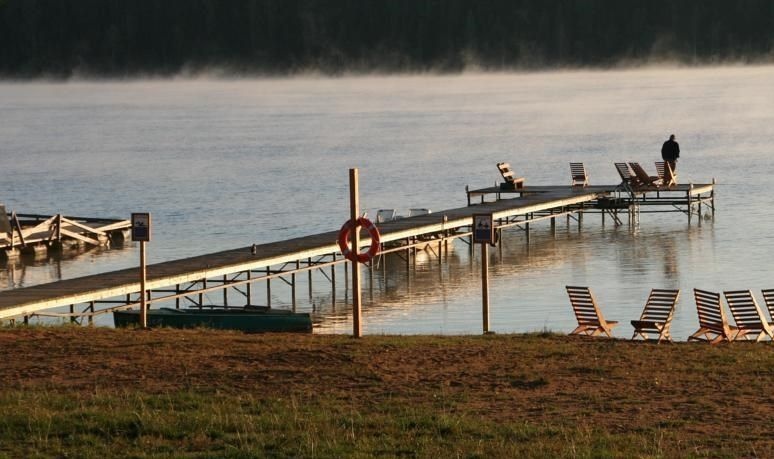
point(227, 163)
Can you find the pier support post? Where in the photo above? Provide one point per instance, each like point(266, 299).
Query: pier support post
point(201, 295)
point(309, 264)
point(249, 288)
point(333, 280)
point(225, 291)
point(293, 285)
point(268, 287)
point(371, 280)
point(346, 278)
point(712, 198)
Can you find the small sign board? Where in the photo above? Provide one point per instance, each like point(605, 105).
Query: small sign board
point(483, 229)
point(141, 227)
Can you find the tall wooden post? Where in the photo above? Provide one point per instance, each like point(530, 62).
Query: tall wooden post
point(143, 278)
point(354, 212)
point(141, 232)
point(485, 286)
point(483, 232)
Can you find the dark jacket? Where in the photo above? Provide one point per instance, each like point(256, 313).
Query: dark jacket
point(670, 151)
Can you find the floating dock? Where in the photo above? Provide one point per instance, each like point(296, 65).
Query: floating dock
point(37, 234)
point(234, 272)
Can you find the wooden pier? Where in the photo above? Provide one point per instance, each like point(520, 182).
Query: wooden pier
point(233, 273)
point(32, 233)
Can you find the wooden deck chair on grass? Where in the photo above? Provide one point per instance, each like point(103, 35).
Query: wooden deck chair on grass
point(579, 175)
point(748, 315)
point(665, 173)
point(713, 326)
point(657, 316)
point(511, 181)
point(768, 298)
point(590, 319)
point(642, 177)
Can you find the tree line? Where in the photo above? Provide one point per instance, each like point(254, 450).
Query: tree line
point(117, 38)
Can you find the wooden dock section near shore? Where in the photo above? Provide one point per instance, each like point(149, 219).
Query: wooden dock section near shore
point(235, 271)
point(35, 233)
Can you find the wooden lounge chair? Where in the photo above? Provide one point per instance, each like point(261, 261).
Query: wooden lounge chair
point(748, 315)
point(626, 173)
point(385, 215)
point(665, 173)
point(579, 175)
point(657, 316)
point(713, 326)
point(590, 319)
point(642, 177)
point(511, 181)
point(768, 298)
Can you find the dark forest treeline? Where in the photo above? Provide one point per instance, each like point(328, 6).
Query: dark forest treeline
point(133, 37)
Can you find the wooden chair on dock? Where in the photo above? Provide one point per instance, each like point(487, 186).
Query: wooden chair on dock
point(643, 178)
point(590, 319)
point(657, 316)
point(748, 316)
point(625, 172)
point(511, 181)
point(665, 173)
point(579, 175)
point(385, 215)
point(713, 326)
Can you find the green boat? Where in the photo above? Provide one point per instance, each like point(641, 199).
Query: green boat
point(252, 319)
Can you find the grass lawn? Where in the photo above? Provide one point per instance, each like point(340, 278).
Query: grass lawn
point(100, 392)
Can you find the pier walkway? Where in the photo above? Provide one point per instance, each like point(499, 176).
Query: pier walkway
point(188, 279)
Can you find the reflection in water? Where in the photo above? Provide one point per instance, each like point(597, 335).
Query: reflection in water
point(48, 266)
point(431, 297)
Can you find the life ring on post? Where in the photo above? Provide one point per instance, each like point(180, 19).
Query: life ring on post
point(343, 241)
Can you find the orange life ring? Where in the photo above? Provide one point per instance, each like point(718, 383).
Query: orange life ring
point(373, 232)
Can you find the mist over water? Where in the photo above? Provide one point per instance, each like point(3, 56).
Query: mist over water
point(227, 163)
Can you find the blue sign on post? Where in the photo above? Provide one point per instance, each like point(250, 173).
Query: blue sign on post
point(141, 227)
point(483, 229)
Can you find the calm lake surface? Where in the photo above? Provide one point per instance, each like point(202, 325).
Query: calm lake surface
point(226, 163)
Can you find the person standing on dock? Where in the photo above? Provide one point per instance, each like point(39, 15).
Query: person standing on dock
point(670, 151)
